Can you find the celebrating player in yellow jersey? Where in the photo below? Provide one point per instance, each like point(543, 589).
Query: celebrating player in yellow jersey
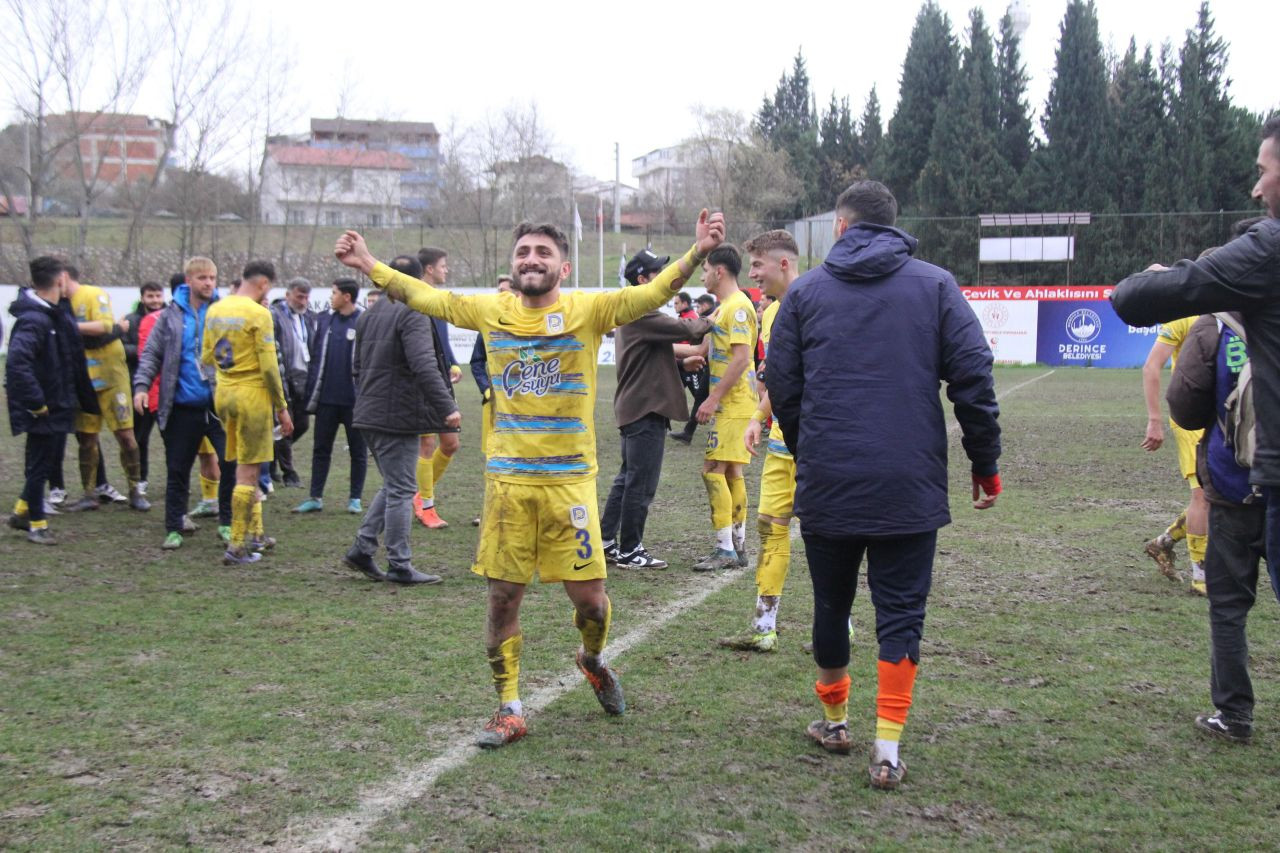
point(540, 511)
point(239, 341)
point(774, 265)
point(728, 408)
point(1193, 523)
point(109, 374)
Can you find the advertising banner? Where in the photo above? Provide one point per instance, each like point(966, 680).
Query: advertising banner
point(1010, 328)
point(1080, 333)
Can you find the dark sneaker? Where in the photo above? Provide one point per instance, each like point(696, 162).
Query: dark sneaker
point(410, 575)
point(886, 777)
point(1236, 731)
point(831, 738)
point(611, 553)
point(363, 563)
point(639, 559)
point(740, 548)
point(681, 437)
point(20, 522)
point(752, 641)
point(1160, 549)
point(238, 556)
point(41, 536)
point(292, 481)
point(717, 559)
point(606, 684)
point(88, 503)
point(503, 728)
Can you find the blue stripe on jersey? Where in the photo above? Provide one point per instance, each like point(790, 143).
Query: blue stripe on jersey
point(538, 423)
point(717, 355)
point(779, 448)
point(99, 384)
point(92, 362)
point(714, 379)
point(539, 466)
point(499, 341)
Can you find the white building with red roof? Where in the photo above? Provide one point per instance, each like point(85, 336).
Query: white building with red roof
point(335, 187)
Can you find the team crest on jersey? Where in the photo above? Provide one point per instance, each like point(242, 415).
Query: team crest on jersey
point(555, 323)
point(740, 315)
point(578, 516)
point(351, 334)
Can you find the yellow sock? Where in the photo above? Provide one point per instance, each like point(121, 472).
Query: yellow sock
point(888, 730)
point(835, 700)
point(505, 663)
point(131, 462)
point(208, 489)
point(42, 524)
point(775, 558)
point(439, 463)
point(738, 499)
point(721, 500)
point(255, 519)
point(20, 507)
point(1178, 529)
point(1197, 543)
point(426, 484)
point(241, 513)
point(594, 634)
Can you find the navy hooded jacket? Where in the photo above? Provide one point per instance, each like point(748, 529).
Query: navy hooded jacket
point(46, 367)
point(859, 348)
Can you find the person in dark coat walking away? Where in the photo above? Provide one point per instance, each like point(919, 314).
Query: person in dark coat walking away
point(46, 381)
point(858, 350)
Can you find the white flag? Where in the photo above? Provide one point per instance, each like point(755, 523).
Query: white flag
point(577, 223)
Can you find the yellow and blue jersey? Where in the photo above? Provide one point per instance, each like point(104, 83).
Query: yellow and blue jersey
point(542, 363)
point(1174, 333)
point(107, 366)
point(777, 446)
point(239, 340)
point(735, 324)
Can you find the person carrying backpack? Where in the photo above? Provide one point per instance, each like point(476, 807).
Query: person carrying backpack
point(1211, 390)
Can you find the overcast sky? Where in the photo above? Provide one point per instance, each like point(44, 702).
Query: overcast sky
point(630, 73)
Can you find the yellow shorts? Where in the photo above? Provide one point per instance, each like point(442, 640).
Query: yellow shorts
point(777, 486)
point(725, 439)
point(246, 417)
point(1187, 441)
point(205, 446)
point(117, 413)
point(553, 530)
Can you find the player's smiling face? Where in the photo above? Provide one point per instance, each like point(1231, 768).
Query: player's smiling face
point(766, 271)
point(536, 265)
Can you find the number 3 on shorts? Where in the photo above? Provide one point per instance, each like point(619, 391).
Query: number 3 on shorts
point(584, 539)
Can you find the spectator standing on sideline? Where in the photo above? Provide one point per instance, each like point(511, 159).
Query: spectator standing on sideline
point(183, 401)
point(697, 381)
point(331, 395)
point(400, 395)
point(46, 384)
point(648, 397)
point(151, 300)
point(858, 349)
point(297, 324)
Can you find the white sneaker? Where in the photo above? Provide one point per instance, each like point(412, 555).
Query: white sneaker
point(57, 496)
point(142, 488)
point(107, 492)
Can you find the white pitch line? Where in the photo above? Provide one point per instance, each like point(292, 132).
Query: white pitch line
point(345, 832)
point(1005, 393)
point(376, 802)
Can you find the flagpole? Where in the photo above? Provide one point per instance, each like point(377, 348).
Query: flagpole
point(577, 237)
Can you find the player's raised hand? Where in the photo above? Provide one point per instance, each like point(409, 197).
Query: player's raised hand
point(709, 232)
point(352, 251)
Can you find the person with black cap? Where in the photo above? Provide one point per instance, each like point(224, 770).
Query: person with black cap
point(649, 396)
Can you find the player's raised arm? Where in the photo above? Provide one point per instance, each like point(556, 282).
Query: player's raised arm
point(633, 302)
point(352, 251)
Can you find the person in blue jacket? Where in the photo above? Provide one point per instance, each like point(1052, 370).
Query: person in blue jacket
point(859, 348)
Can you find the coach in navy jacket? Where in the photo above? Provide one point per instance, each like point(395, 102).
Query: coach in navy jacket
point(859, 349)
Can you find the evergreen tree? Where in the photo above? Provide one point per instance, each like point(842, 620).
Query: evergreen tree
point(1077, 121)
point(1015, 115)
point(930, 65)
point(1140, 152)
point(839, 153)
point(788, 122)
point(871, 133)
